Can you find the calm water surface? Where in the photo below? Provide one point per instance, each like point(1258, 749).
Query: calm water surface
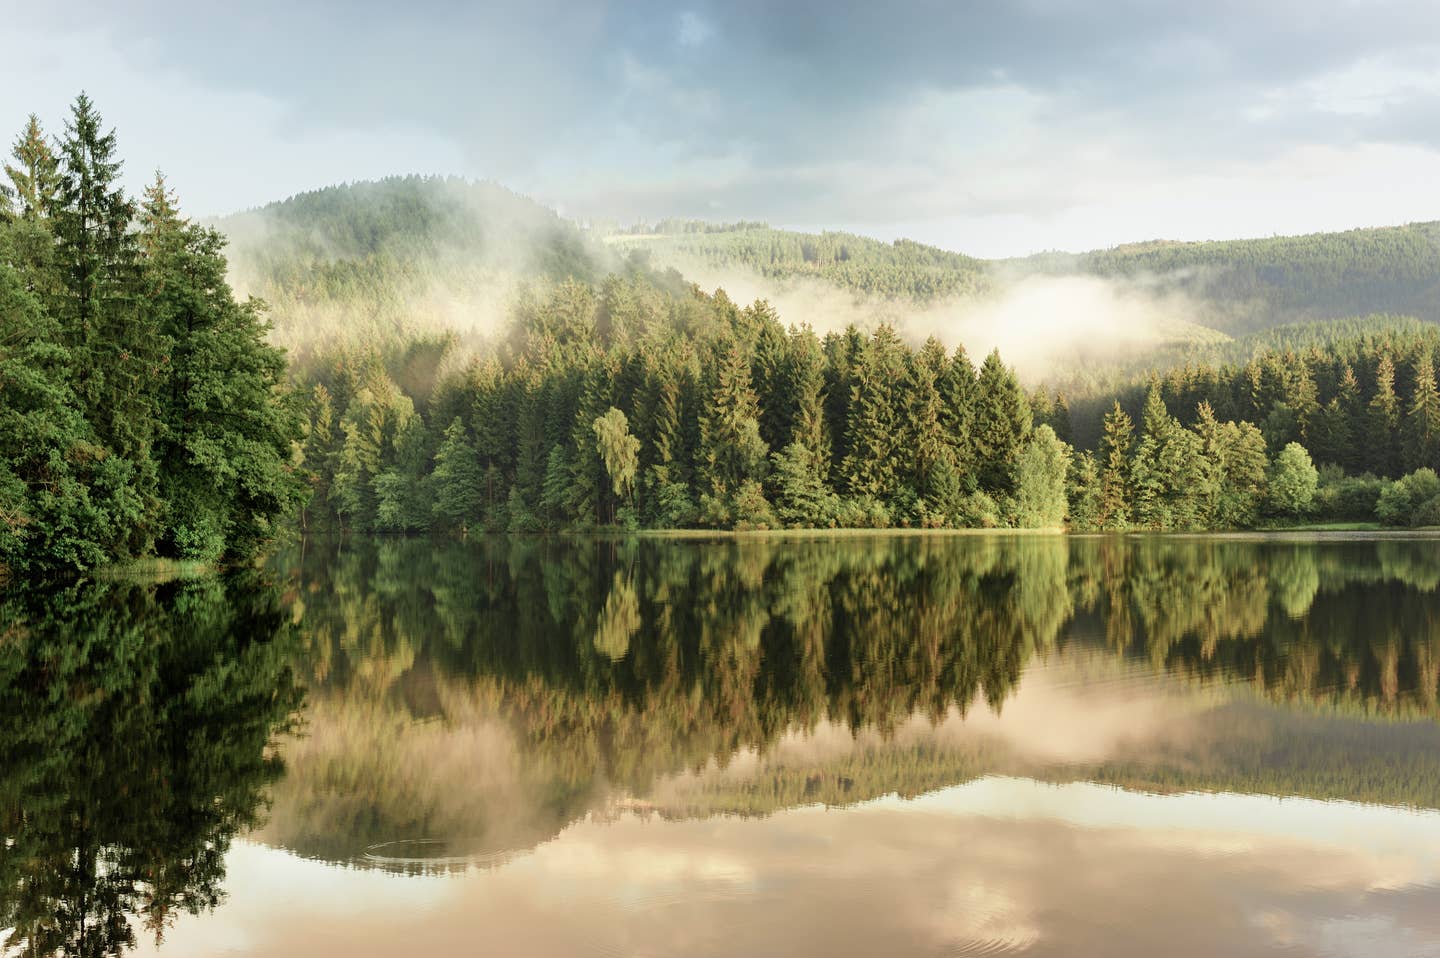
point(814, 746)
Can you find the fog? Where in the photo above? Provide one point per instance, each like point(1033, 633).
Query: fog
point(370, 262)
point(1042, 324)
point(405, 255)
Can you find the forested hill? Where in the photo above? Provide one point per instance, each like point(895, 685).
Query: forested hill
point(899, 270)
point(1237, 286)
point(1253, 284)
point(403, 254)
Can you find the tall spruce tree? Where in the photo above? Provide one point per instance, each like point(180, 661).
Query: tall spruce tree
point(877, 424)
point(224, 428)
point(1000, 426)
point(1113, 512)
point(1382, 421)
point(1422, 418)
point(35, 174)
point(115, 345)
point(1165, 472)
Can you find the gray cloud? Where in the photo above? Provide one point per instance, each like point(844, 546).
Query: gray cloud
point(993, 126)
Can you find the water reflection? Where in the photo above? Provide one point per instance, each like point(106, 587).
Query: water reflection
point(490, 693)
point(676, 710)
point(134, 722)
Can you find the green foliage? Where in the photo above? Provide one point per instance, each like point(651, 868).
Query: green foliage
point(141, 409)
point(999, 428)
point(133, 752)
point(802, 497)
point(1165, 472)
point(619, 450)
point(1232, 472)
point(1293, 481)
point(1040, 499)
point(1401, 501)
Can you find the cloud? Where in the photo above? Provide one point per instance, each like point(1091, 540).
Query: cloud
point(695, 30)
point(991, 127)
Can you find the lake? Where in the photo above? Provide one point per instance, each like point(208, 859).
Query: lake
point(806, 745)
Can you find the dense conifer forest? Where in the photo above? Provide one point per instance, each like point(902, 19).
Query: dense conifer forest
point(461, 359)
point(141, 409)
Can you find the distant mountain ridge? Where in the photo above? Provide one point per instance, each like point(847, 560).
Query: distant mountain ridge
point(372, 248)
point(1245, 285)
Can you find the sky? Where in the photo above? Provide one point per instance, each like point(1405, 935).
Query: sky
point(995, 129)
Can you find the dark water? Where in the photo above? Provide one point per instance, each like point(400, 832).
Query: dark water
point(937, 745)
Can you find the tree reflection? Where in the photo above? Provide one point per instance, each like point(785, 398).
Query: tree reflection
point(134, 722)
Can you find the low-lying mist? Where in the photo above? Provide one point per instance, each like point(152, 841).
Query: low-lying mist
point(1042, 324)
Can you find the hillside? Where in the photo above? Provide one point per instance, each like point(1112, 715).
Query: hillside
point(1236, 286)
point(1253, 284)
point(424, 253)
point(403, 254)
point(901, 270)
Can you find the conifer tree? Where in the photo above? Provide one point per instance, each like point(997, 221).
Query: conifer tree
point(1083, 493)
point(876, 426)
point(35, 174)
point(1331, 436)
point(958, 389)
point(933, 471)
point(1114, 508)
point(1232, 471)
point(1000, 426)
point(457, 479)
point(1382, 420)
point(805, 371)
point(114, 343)
point(1165, 472)
point(1422, 418)
point(732, 454)
point(224, 429)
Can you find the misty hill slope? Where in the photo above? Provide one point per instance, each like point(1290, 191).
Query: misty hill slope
point(1250, 285)
point(1237, 286)
point(400, 255)
point(408, 255)
point(900, 270)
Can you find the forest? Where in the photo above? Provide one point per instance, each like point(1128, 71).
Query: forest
point(142, 411)
point(634, 406)
point(460, 359)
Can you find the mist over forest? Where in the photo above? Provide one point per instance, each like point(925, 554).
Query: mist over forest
point(449, 355)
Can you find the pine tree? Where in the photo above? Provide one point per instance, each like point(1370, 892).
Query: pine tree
point(1232, 476)
point(1114, 507)
point(933, 469)
point(1331, 436)
point(1382, 421)
point(319, 456)
point(1165, 472)
point(224, 435)
point(1083, 493)
point(732, 454)
point(1001, 425)
point(772, 386)
point(1422, 419)
point(35, 174)
point(457, 479)
point(114, 345)
point(876, 426)
point(805, 370)
point(958, 389)
point(65, 505)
